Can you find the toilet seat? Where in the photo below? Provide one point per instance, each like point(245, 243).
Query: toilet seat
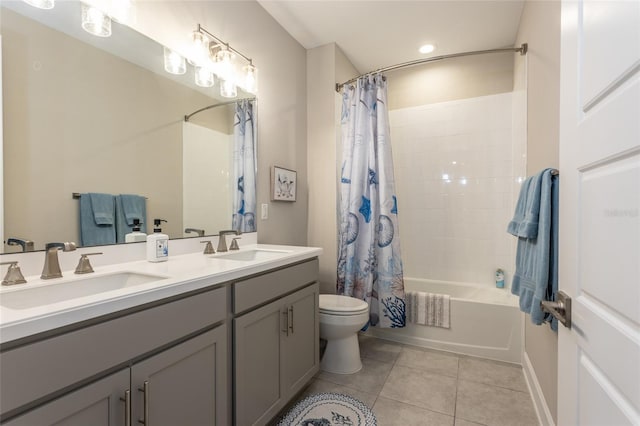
point(334, 304)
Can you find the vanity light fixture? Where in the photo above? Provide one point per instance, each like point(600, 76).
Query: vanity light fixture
point(95, 21)
point(174, 63)
point(223, 59)
point(41, 4)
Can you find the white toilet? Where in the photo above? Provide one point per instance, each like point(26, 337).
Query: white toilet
point(341, 317)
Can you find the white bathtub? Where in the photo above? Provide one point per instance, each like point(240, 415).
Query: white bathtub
point(485, 322)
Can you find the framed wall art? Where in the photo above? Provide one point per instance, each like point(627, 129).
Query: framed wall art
point(283, 184)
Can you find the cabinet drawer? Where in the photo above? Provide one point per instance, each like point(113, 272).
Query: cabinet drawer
point(33, 371)
point(263, 288)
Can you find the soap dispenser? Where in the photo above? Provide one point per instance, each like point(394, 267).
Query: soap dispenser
point(136, 235)
point(157, 243)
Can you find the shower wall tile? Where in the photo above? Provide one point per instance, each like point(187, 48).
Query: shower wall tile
point(459, 167)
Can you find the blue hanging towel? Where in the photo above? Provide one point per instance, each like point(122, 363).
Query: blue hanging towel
point(97, 219)
point(128, 208)
point(536, 275)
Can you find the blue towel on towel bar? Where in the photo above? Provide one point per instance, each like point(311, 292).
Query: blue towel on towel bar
point(536, 275)
point(97, 219)
point(129, 207)
point(525, 219)
point(103, 208)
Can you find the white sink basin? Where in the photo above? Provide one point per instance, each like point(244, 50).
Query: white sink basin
point(251, 255)
point(54, 292)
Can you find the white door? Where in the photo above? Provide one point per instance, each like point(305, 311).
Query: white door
point(599, 357)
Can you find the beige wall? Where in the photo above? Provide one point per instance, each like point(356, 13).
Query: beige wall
point(451, 79)
point(326, 65)
point(540, 28)
point(282, 97)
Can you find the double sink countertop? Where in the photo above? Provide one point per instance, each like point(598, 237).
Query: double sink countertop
point(42, 305)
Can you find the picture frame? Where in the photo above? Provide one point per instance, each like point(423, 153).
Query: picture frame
point(284, 184)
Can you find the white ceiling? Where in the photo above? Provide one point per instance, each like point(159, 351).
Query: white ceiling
point(375, 34)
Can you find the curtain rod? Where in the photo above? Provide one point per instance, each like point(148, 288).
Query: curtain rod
point(522, 50)
point(187, 117)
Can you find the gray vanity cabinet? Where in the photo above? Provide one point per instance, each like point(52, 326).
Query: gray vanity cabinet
point(177, 351)
point(180, 386)
point(177, 386)
point(101, 403)
point(275, 344)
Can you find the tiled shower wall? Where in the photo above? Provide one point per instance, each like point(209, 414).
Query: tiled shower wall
point(458, 169)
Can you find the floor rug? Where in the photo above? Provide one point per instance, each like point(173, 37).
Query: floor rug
point(329, 409)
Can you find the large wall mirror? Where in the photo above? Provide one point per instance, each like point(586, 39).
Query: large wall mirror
point(84, 114)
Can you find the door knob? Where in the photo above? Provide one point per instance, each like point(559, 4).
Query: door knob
point(560, 309)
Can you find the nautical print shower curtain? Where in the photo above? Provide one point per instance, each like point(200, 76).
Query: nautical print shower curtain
point(369, 263)
point(244, 168)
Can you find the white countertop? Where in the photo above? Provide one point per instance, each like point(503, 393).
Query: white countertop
point(183, 273)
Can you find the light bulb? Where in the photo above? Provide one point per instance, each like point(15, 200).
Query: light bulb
point(41, 4)
point(224, 67)
point(204, 77)
point(173, 62)
point(228, 89)
point(251, 78)
point(95, 21)
point(427, 48)
point(200, 49)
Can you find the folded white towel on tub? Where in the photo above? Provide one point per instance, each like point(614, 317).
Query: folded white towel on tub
point(428, 309)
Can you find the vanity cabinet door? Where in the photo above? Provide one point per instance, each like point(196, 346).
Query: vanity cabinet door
point(258, 390)
point(301, 345)
point(183, 385)
point(276, 354)
point(101, 403)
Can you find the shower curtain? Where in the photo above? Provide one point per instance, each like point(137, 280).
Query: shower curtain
point(369, 263)
point(244, 168)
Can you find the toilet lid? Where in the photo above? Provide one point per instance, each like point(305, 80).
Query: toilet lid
point(344, 305)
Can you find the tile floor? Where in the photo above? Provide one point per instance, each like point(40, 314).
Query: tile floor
point(407, 385)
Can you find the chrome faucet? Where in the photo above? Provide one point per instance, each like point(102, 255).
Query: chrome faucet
point(222, 242)
point(200, 232)
point(51, 264)
point(27, 245)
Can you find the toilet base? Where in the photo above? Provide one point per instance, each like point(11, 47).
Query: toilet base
point(342, 356)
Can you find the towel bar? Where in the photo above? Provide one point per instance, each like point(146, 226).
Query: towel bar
point(77, 195)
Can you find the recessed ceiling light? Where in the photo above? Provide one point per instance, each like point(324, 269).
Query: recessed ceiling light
point(427, 48)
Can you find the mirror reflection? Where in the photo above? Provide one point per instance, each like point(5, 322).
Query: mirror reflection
point(90, 115)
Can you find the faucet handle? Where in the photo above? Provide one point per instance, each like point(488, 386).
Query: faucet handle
point(67, 246)
point(84, 265)
point(14, 274)
point(234, 244)
point(208, 249)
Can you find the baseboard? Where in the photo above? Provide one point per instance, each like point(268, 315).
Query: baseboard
point(539, 403)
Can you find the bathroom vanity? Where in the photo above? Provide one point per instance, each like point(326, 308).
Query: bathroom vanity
point(222, 339)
